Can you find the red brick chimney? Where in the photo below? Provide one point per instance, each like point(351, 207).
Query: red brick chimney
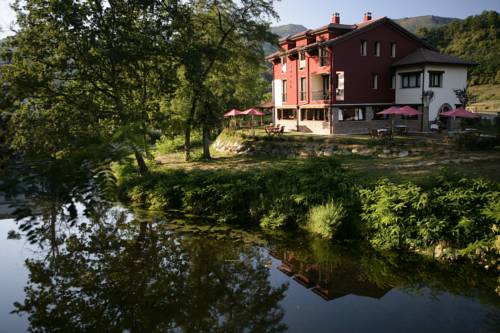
point(336, 18)
point(367, 17)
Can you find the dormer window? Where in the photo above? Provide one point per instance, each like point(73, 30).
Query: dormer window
point(363, 48)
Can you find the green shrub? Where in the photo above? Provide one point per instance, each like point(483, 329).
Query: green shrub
point(325, 220)
point(457, 212)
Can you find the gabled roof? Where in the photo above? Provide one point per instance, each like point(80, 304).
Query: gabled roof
point(353, 31)
point(366, 26)
point(425, 56)
point(310, 32)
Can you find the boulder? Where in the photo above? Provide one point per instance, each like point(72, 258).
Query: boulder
point(403, 153)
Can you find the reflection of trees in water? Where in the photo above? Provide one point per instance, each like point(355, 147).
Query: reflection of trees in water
point(115, 275)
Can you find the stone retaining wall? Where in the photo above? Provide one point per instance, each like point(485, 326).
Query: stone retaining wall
point(311, 149)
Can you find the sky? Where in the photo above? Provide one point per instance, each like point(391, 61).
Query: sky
point(315, 13)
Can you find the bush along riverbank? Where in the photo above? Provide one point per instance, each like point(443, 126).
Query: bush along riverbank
point(448, 217)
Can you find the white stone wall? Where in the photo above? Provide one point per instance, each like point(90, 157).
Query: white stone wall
point(454, 77)
point(408, 95)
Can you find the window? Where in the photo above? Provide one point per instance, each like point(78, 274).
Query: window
point(302, 59)
point(284, 91)
point(286, 114)
point(322, 56)
point(283, 64)
point(435, 79)
point(376, 49)
point(351, 114)
point(363, 47)
point(410, 80)
point(375, 78)
point(314, 114)
point(326, 86)
point(302, 88)
point(393, 82)
point(393, 50)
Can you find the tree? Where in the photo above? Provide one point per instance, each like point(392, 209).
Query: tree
point(218, 30)
point(465, 96)
point(90, 74)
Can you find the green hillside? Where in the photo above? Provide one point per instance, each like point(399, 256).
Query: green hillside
point(429, 21)
point(282, 31)
point(476, 38)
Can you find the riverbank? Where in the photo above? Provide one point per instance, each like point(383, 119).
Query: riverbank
point(443, 205)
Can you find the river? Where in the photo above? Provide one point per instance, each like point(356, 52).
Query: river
point(111, 270)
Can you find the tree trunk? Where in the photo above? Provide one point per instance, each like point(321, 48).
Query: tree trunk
point(206, 143)
point(143, 168)
point(187, 142)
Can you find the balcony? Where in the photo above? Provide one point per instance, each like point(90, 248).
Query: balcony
point(321, 95)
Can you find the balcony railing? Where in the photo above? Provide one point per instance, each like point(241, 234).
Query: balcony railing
point(302, 95)
point(321, 95)
point(339, 93)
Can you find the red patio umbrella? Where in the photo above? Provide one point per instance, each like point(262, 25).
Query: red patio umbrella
point(402, 111)
point(459, 113)
point(409, 111)
point(252, 112)
point(233, 113)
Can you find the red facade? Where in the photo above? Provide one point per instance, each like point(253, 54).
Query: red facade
point(342, 45)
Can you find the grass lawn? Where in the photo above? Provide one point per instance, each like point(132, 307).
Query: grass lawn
point(488, 98)
point(367, 169)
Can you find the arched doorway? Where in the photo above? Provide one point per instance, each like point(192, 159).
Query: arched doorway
point(445, 122)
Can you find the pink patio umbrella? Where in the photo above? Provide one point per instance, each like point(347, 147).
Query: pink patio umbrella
point(409, 111)
point(232, 113)
point(402, 111)
point(459, 113)
point(252, 112)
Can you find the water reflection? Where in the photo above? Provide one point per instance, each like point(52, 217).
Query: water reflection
point(99, 268)
point(116, 275)
point(327, 280)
